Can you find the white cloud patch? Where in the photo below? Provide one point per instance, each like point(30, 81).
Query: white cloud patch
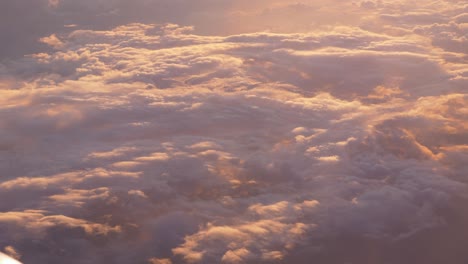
point(5, 259)
point(156, 144)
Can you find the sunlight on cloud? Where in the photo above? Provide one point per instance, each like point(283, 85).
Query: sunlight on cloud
point(4, 259)
point(282, 139)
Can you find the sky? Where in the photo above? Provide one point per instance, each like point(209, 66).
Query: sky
point(223, 131)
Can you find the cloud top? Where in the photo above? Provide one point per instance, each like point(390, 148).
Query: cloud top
point(153, 143)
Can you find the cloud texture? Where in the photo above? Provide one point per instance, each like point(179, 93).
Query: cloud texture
point(331, 143)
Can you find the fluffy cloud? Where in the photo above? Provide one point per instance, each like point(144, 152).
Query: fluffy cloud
point(25, 21)
point(154, 144)
point(7, 259)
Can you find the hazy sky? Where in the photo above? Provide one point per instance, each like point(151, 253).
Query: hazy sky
point(216, 131)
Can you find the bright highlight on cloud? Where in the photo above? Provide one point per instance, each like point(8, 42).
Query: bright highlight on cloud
point(5, 259)
point(287, 139)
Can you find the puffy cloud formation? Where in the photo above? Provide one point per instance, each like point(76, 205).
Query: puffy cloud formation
point(153, 143)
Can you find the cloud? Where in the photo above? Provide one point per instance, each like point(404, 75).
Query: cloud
point(52, 40)
point(153, 143)
point(6, 259)
point(54, 3)
point(35, 19)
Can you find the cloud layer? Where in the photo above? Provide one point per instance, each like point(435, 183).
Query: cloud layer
point(151, 143)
